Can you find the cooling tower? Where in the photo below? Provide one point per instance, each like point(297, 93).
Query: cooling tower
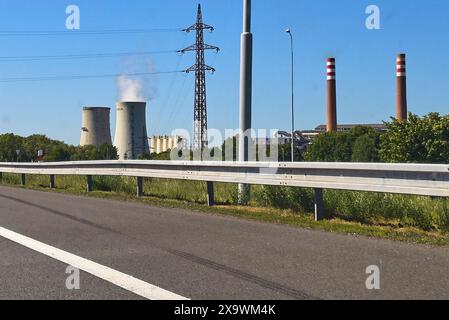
point(331, 96)
point(401, 90)
point(96, 127)
point(131, 137)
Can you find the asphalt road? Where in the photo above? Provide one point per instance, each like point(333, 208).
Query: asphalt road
point(200, 256)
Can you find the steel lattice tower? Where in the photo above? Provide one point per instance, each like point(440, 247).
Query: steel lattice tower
point(200, 141)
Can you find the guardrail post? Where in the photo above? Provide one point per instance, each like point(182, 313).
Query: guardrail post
point(23, 179)
point(319, 204)
point(210, 194)
point(52, 182)
point(90, 184)
point(139, 186)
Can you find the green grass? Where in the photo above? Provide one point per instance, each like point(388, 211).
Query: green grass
point(420, 220)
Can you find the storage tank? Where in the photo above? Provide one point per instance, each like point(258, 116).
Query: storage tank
point(96, 128)
point(131, 138)
point(153, 145)
point(171, 143)
point(164, 143)
point(159, 145)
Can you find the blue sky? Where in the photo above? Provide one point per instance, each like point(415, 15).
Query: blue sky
point(322, 28)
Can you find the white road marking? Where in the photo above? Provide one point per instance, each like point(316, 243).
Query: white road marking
point(115, 277)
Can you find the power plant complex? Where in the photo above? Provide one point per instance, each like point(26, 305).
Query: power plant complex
point(132, 141)
point(131, 137)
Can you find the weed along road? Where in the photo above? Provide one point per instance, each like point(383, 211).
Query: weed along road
point(57, 246)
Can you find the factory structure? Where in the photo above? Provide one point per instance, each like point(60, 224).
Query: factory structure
point(161, 144)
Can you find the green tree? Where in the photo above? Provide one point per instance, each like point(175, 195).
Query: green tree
point(418, 140)
point(9, 143)
point(345, 146)
point(229, 148)
point(161, 156)
point(285, 153)
point(57, 153)
point(365, 149)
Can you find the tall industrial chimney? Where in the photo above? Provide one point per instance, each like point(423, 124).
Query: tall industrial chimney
point(331, 96)
point(131, 137)
point(401, 93)
point(96, 128)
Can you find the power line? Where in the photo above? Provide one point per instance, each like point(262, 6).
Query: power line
point(170, 90)
point(75, 77)
point(85, 32)
point(80, 56)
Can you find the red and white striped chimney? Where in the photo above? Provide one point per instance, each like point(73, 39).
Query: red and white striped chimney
point(401, 88)
point(331, 96)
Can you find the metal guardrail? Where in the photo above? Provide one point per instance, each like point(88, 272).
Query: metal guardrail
point(413, 179)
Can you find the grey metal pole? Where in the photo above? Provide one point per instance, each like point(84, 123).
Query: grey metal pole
point(319, 204)
point(210, 194)
point(289, 31)
point(246, 70)
point(140, 187)
point(52, 182)
point(90, 183)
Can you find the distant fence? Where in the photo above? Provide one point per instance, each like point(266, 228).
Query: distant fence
point(413, 179)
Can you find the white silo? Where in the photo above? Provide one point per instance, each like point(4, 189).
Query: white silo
point(171, 143)
point(153, 145)
point(159, 145)
point(164, 144)
point(131, 137)
point(96, 128)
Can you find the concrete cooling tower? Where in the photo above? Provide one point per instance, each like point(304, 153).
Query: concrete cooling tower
point(131, 137)
point(96, 128)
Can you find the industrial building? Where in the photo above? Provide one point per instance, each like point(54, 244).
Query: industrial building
point(131, 138)
point(161, 144)
point(347, 127)
point(96, 129)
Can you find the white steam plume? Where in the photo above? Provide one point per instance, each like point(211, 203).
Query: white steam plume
point(136, 88)
point(130, 89)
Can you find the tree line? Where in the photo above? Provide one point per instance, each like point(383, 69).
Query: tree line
point(14, 148)
point(419, 140)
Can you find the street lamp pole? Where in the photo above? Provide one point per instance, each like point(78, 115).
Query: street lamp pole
point(246, 70)
point(289, 31)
